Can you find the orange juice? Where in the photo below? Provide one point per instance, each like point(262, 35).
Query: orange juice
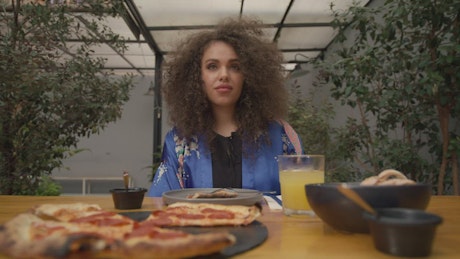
point(293, 187)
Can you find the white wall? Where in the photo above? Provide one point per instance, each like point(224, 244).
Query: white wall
point(123, 145)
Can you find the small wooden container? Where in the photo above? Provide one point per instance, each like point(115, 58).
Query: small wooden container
point(128, 198)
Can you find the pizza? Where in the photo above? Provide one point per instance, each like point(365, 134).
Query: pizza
point(154, 242)
point(64, 212)
point(28, 236)
point(203, 214)
point(219, 193)
point(388, 177)
point(85, 230)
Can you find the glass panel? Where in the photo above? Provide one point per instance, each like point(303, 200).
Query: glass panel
point(186, 12)
point(114, 61)
point(139, 49)
point(313, 37)
point(167, 40)
point(269, 11)
point(160, 15)
point(308, 11)
point(142, 61)
point(118, 25)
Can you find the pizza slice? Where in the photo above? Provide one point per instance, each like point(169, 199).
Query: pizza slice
point(28, 236)
point(64, 212)
point(387, 177)
point(203, 214)
point(147, 241)
point(219, 193)
point(88, 216)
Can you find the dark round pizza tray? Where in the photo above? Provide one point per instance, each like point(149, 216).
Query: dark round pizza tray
point(247, 237)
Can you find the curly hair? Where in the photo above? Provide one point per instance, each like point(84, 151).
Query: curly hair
point(263, 98)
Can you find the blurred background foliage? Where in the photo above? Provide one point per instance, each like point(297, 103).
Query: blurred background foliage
point(52, 91)
point(397, 66)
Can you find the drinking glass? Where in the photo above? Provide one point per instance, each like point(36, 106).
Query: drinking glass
point(295, 171)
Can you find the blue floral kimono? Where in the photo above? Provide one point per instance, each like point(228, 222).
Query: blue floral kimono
point(188, 164)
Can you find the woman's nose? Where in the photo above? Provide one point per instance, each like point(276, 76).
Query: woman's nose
point(223, 74)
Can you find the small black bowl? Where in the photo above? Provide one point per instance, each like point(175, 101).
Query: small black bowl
point(127, 199)
point(341, 213)
point(403, 232)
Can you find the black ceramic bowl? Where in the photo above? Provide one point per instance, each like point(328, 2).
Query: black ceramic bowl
point(126, 199)
point(403, 232)
point(343, 214)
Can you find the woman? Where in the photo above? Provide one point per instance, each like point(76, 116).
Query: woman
point(226, 98)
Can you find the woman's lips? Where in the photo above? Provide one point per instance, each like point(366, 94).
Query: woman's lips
point(224, 88)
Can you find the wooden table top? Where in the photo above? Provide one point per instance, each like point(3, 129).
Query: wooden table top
point(291, 237)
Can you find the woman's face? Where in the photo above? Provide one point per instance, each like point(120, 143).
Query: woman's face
point(221, 74)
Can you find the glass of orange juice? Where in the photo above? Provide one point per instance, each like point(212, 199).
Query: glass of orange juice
point(295, 171)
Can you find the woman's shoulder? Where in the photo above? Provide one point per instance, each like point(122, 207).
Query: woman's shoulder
point(278, 125)
point(173, 134)
point(276, 129)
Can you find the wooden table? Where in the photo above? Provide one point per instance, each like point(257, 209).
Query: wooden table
point(289, 237)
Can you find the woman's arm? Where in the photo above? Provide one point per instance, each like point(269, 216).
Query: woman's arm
point(166, 177)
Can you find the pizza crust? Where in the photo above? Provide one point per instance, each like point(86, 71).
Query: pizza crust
point(388, 177)
point(28, 236)
point(64, 212)
point(186, 246)
point(219, 193)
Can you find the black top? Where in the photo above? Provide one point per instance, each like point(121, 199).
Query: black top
point(226, 161)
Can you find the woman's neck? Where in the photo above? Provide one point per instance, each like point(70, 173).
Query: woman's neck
point(224, 121)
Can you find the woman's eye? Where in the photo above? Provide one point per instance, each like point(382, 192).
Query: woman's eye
point(211, 66)
point(236, 67)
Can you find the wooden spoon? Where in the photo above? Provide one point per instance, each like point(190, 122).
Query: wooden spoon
point(126, 179)
point(352, 195)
